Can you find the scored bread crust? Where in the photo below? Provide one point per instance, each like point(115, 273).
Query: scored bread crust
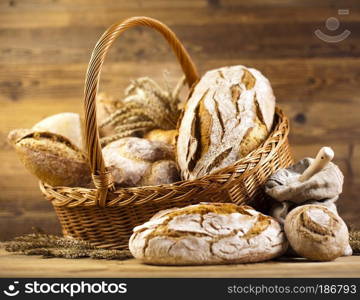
point(208, 233)
point(135, 161)
point(53, 159)
point(67, 124)
point(316, 233)
point(229, 114)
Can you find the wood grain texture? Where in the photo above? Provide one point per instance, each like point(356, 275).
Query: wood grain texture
point(23, 266)
point(45, 46)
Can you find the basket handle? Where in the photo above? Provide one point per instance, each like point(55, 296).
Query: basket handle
point(101, 177)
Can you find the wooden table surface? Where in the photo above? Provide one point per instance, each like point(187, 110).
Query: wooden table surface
point(13, 265)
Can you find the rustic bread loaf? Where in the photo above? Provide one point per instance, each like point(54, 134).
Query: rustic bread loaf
point(208, 233)
point(316, 233)
point(229, 114)
point(66, 124)
point(135, 161)
point(53, 159)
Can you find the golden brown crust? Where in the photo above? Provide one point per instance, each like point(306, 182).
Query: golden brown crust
point(316, 233)
point(16, 134)
point(164, 136)
point(53, 159)
point(208, 233)
point(223, 120)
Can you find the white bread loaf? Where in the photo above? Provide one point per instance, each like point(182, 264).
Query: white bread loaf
point(67, 124)
point(208, 233)
point(135, 161)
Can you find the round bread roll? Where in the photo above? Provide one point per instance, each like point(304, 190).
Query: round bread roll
point(135, 161)
point(160, 135)
point(67, 124)
point(316, 233)
point(53, 159)
point(208, 233)
point(161, 172)
point(229, 114)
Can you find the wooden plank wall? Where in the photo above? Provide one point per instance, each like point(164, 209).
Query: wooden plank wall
point(45, 46)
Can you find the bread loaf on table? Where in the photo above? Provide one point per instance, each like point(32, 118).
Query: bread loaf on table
point(229, 114)
point(316, 233)
point(208, 233)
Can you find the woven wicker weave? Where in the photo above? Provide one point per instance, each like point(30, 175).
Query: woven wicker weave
point(105, 216)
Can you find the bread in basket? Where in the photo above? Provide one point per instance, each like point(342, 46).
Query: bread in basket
point(106, 216)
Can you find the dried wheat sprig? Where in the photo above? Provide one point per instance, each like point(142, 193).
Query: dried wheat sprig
point(148, 84)
point(37, 240)
point(45, 252)
point(137, 125)
point(129, 108)
point(110, 254)
point(354, 240)
point(109, 139)
point(146, 106)
point(163, 118)
point(49, 246)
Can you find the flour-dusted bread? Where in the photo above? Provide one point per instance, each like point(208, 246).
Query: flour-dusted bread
point(53, 159)
point(229, 114)
point(137, 162)
point(208, 233)
point(316, 233)
point(67, 124)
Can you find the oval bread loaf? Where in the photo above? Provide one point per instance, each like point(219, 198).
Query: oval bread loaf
point(229, 114)
point(208, 233)
point(53, 159)
point(316, 233)
point(67, 124)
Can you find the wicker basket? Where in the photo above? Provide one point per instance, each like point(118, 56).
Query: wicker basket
point(105, 216)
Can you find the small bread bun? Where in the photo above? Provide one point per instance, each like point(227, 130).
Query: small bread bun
point(164, 136)
point(316, 233)
point(161, 172)
point(135, 162)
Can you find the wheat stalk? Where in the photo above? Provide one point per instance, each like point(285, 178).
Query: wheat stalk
point(146, 106)
point(49, 246)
